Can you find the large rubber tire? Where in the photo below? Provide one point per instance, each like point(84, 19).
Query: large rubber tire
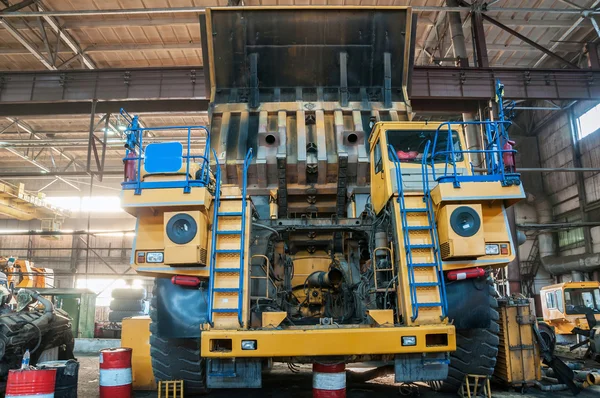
point(476, 351)
point(127, 305)
point(129, 294)
point(176, 359)
point(548, 335)
point(117, 316)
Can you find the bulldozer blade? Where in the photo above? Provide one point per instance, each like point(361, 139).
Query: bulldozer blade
point(580, 344)
point(591, 319)
point(581, 332)
point(564, 374)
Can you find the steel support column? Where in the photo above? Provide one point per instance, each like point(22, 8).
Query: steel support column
point(480, 46)
point(593, 57)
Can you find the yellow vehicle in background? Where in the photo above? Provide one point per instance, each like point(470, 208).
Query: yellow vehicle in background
point(24, 274)
point(319, 224)
point(571, 313)
point(564, 305)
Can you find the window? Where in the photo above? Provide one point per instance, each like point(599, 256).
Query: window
point(571, 237)
point(550, 300)
point(378, 158)
point(410, 145)
point(578, 301)
point(559, 301)
point(589, 122)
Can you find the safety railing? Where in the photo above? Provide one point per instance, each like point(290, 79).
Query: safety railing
point(497, 149)
point(213, 245)
point(247, 161)
point(135, 157)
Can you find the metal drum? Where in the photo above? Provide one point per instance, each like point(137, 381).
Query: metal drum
point(67, 373)
point(329, 380)
point(31, 383)
point(115, 373)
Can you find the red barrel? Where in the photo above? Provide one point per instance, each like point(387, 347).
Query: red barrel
point(31, 383)
point(329, 380)
point(115, 373)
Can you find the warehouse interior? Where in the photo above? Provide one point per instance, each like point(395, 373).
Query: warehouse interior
point(67, 68)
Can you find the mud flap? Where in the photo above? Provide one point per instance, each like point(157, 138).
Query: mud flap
point(234, 373)
point(421, 367)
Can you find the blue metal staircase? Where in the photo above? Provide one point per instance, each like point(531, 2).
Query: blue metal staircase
point(431, 248)
point(222, 280)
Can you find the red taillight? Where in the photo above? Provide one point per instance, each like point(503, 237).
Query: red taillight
point(468, 273)
point(183, 280)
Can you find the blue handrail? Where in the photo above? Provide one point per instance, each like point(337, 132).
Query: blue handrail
point(213, 245)
point(135, 144)
point(411, 278)
point(408, 247)
point(247, 161)
point(433, 231)
point(496, 137)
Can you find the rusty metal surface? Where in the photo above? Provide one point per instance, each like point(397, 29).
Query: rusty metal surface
point(298, 86)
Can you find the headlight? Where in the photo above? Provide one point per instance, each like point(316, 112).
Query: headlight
point(409, 340)
point(248, 344)
point(465, 221)
point(492, 250)
point(155, 257)
point(181, 228)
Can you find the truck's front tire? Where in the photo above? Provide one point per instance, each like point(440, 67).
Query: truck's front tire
point(176, 359)
point(476, 351)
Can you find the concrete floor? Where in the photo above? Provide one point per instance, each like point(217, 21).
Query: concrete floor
point(281, 383)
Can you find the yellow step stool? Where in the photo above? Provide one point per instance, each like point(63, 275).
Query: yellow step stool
point(170, 389)
point(475, 386)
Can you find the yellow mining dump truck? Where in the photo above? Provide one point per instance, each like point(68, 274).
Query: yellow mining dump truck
point(319, 224)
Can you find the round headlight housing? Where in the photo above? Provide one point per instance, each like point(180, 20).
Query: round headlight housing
point(465, 221)
point(181, 228)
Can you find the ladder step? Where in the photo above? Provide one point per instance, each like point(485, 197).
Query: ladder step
point(229, 214)
point(428, 246)
point(425, 284)
point(226, 290)
point(225, 310)
point(414, 210)
point(230, 251)
point(417, 265)
point(418, 228)
point(428, 304)
point(230, 232)
point(227, 270)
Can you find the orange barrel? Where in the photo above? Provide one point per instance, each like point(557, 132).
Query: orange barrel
point(31, 383)
point(115, 373)
point(329, 380)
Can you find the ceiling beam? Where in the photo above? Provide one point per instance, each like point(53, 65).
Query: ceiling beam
point(423, 21)
point(198, 10)
point(568, 33)
point(18, 6)
point(547, 52)
point(31, 48)
point(191, 46)
point(66, 38)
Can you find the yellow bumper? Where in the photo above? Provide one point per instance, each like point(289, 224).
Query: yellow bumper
point(330, 341)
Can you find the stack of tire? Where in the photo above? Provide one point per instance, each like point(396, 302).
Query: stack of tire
point(127, 303)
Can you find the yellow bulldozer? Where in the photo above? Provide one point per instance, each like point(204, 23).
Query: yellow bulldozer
point(22, 273)
point(319, 224)
point(571, 313)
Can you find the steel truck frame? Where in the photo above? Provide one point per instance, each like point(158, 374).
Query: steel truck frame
point(318, 223)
